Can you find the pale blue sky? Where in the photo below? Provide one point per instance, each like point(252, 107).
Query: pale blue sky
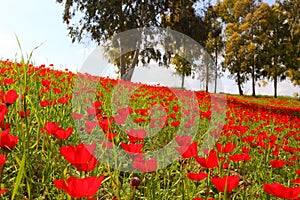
point(40, 21)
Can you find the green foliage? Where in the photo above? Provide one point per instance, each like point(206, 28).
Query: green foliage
point(261, 40)
point(100, 20)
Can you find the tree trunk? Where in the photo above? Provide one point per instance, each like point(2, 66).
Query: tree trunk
point(122, 61)
point(253, 80)
point(207, 78)
point(182, 80)
point(128, 75)
point(239, 83)
point(275, 86)
point(216, 69)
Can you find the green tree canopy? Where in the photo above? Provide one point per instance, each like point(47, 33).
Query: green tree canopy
point(100, 20)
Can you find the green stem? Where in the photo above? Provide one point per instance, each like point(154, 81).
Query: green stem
point(133, 193)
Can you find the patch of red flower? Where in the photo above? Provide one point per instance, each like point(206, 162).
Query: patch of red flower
point(81, 156)
point(8, 141)
point(278, 190)
point(80, 187)
point(226, 183)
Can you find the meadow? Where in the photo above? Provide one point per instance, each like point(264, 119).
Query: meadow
point(69, 136)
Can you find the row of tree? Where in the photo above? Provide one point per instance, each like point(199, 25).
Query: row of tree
point(261, 41)
point(256, 41)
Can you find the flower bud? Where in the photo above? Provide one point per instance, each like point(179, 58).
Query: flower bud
point(135, 182)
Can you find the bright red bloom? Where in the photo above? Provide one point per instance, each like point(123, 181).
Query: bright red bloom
point(239, 157)
point(296, 181)
point(81, 156)
point(227, 183)
point(210, 162)
point(206, 114)
point(45, 82)
point(248, 139)
point(3, 111)
point(45, 103)
point(7, 140)
point(197, 177)
point(176, 108)
point(289, 149)
point(2, 191)
point(63, 134)
point(175, 124)
point(188, 151)
point(80, 187)
point(281, 191)
point(51, 127)
point(105, 123)
point(277, 163)
point(10, 97)
point(2, 159)
point(245, 149)
point(229, 147)
point(63, 100)
point(132, 148)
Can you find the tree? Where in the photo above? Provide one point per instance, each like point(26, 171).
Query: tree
point(291, 11)
point(100, 20)
point(190, 24)
point(251, 30)
point(234, 59)
point(275, 46)
point(233, 13)
point(214, 43)
point(182, 67)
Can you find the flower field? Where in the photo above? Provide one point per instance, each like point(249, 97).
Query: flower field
point(68, 136)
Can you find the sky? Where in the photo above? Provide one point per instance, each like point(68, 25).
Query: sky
point(38, 23)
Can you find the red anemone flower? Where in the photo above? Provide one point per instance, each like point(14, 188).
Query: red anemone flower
point(277, 163)
point(210, 162)
point(227, 183)
point(63, 134)
point(80, 187)
point(10, 97)
point(132, 148)
point(51, 127)
point(2, 159)
point(7, 140)
point(2, 191)
point(81, 156)
point(229, 147)
point(197, 177)
point(188, 151)
point(281, 191)
point(3, 111)
point(240, 157)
